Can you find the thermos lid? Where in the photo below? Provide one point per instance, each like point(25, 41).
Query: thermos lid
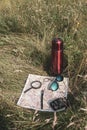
point(57, 44)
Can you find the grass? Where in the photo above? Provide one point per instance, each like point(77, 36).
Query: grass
point(26, 31)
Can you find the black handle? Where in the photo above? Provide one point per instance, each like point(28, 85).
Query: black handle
point(42, 93)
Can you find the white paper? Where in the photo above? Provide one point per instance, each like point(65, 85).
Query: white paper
point(32, 98)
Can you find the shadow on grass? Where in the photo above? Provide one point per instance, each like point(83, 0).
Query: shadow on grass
point(74, 104)
point(47, 64)
point(5, 120)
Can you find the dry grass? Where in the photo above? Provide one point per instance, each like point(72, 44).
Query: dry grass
point(26, 31)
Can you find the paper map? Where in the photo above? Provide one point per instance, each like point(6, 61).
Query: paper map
point(32, 98)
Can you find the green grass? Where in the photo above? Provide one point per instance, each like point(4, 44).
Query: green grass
point(26, 32)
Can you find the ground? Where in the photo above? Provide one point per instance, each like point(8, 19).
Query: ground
point(15, 65)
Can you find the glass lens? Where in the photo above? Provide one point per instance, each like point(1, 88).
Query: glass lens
point(59, 78)
point(54, 86)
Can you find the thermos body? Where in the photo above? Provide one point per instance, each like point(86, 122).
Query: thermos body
point(57, 56)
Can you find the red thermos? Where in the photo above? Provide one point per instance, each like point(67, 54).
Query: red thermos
point(57, 56)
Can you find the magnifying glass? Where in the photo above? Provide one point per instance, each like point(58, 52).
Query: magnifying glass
point(34, 85)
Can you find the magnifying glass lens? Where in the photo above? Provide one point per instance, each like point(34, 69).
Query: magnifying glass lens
point(36, 84)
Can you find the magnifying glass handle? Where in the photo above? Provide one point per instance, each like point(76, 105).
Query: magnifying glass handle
point(42, 93)
point(27, 90)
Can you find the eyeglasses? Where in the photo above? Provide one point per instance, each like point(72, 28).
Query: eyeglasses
point(54, 84)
